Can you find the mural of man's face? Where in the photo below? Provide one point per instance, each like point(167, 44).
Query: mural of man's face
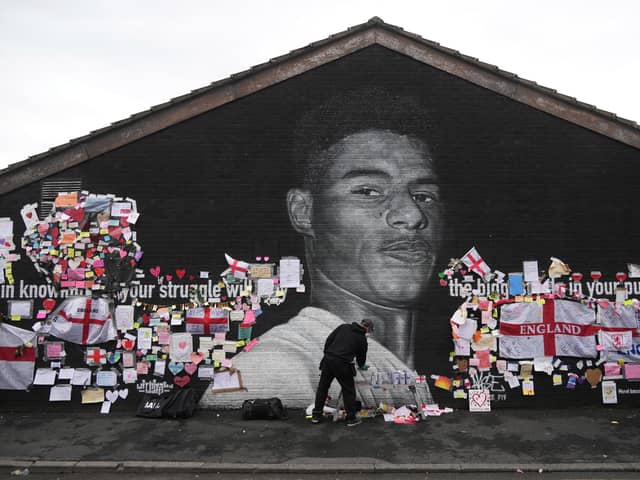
point(376, 217)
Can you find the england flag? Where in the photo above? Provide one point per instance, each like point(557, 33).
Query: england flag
point(83, 320)
point(17, 360)
point(619, 324)
point(555, 328)
point(476, 264)
point(237, 268)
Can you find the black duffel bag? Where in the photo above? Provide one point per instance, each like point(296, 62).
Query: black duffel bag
point(264, 409)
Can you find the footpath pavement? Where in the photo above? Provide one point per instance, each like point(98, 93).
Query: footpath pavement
point(568, 440)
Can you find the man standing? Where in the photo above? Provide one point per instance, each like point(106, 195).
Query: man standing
point(342, 345)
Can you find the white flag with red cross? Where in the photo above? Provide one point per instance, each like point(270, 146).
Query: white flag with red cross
point(475, 263)
point(17, 360)
point(618, 325)
point(237, 268)
point(83, 320)
point(555, 328)
point(207, 320)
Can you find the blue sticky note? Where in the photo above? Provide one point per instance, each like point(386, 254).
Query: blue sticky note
point(515, 284)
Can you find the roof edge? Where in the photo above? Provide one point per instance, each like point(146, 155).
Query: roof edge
point(296, 62)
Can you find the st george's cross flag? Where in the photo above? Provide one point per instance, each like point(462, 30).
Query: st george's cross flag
point(83, 320)
point(17, 360)
point(237, 268)
point(555, 328)
point(619, 323)
point(475, 263)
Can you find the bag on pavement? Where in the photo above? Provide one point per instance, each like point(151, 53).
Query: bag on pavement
point(175, 404)
point(264, 409)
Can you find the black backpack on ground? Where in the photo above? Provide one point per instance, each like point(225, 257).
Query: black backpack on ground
point(263, 409)
point(175, 404)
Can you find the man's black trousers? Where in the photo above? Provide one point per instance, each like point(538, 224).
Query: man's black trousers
point(343, 372)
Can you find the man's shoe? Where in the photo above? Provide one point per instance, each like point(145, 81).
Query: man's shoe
point(316, 418)
point(353, 422)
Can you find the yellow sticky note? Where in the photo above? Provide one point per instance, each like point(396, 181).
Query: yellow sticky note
point(216, 364)
point(628, 302)
point(136, 325)
point(240, 343)
point(540, 301)
point(519, 298)
point(84, 234)
point(70, 252)
point(528, 299)
point(15, 318)
point(88, 274)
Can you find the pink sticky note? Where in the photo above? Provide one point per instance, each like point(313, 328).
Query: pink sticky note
point(484, 356)
point(227, 363)
point(632, 371)
point(611, 369)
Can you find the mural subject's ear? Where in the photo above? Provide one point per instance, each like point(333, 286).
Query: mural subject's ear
point(300, 207)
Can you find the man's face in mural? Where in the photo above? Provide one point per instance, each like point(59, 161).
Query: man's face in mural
point(374, 221)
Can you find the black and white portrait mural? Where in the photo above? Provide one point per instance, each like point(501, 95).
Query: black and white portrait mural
point(492, 244)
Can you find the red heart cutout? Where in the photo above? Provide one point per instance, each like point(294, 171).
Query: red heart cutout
point(190, 368)
point(99, 271)
point(576, 277)
point(180, 272)
point(621, 276)
point(443, 282)
point(49, 304)
point(128, 345)
point(463, 271)
point(596, 275)
point(192, 278)
point(145, 318)
point(76, 213)
point(29, 214)
point(155, 271)
point(182, 345)
point(181, 381)
point(223, 298)
point(169, 277)
point(124, 222)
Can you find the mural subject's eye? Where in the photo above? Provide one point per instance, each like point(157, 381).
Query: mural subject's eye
point(366, 192)
point(427, 198)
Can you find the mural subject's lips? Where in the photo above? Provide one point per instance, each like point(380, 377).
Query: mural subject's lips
point(408, 251)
